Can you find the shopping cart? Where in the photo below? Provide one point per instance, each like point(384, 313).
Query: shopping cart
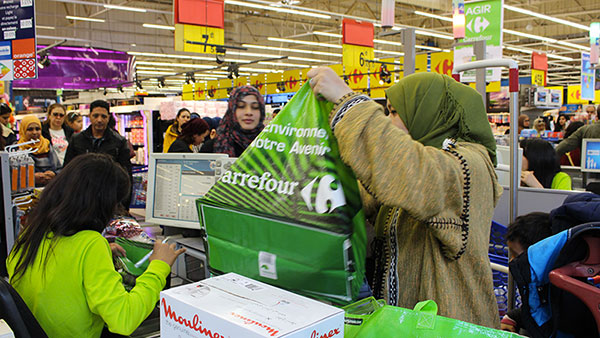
point(498, 253)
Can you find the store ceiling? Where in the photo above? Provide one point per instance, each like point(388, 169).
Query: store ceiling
point(248, 23)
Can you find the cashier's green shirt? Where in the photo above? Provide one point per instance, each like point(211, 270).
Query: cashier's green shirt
point(79, 290)
point(561, 181)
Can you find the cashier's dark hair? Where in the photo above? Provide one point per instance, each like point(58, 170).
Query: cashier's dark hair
point(83, 196)
point(542, 160)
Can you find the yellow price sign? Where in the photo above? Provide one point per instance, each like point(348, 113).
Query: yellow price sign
point(198, 39)
point(538, 77)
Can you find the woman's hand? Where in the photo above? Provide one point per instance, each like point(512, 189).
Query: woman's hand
point(165, 253)
point(117, 250)
point(325, 82)
point(530, 180)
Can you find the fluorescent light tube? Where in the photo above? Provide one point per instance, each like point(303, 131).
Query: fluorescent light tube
point(546, 17)
point(435, 35)
point(277, 9)
point(302, 42)
point(291, 50)
point(125, 8)
point(435, 16)
point(150, 25)
point(70, 17)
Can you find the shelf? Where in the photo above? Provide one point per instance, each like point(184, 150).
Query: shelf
point(134, 127)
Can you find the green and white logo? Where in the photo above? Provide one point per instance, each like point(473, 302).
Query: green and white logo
point(484, 22)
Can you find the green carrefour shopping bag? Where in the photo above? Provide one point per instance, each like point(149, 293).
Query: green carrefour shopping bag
point(370, 318)
point(288, 211)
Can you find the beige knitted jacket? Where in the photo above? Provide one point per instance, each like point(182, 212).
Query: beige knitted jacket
point(433, 228)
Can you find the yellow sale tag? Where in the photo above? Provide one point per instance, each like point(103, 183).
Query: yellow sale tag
point(200, 91)
point(292, 80)
point(198, 39)
point(338, 69)
point(211, 89)
point(187, 93)
point(273, 80)
point(421, 63)
point(356, 61)
point(491, 87)
point(538, 77)
point(574, 95)
point(241, 81)
point(258, 81)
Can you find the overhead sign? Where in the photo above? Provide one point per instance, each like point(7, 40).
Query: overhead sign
point(198, 39)
point(484, 23)
point(574, 95)
point(273, 79)
point(241, 81)
point(442, 63)
point(291, 78)
point(587, 78)
point(258, 81)
point(200, 91)
point(17, 41)
point(538, 77)
point(356, 61)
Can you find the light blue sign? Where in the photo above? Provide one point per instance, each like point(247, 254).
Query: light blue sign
point(587, 78)
point(591, 158)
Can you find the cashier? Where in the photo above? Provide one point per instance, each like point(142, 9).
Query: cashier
point(427, 162)
point(62, 266)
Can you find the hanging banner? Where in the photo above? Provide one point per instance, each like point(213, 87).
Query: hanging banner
point(200, 91)
point(240, 81)
point(442, 63)
point(303, 73)
point(484, 22)
point(225, 87)
point(574, 95)
point(538, 77)
point(258, 81)
point(197, 39)
point(18, 42)
point(187, 93)
point(421, 63)
point(338, 69)
point(273, 79)
point(587, 78)
point(356, 65)
point(211, 89)
point(291, 78)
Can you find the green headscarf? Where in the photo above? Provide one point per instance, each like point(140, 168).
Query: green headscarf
point(435, 107)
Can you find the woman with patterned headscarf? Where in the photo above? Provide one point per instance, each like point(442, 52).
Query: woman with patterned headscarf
point(46, 161)
point(242, 122)
point(427, 163)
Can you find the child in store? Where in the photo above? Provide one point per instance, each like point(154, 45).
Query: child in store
point(75, 121)
point(525, 231)
point(62, 266)
point(541, 166)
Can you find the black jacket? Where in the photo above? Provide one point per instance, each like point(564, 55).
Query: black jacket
point(179, 146)
point(111, 143)
point(46, 132)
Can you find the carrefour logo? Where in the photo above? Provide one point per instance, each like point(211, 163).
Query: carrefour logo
point(478, 25)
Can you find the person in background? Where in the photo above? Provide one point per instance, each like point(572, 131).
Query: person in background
point(8, 135)
point(208, 146)
point(561, 123)
point(46, 161)
point(523, 232)
point(63, 268)
point(591, 112)
point(242, 122)
point(75, 121)
point(574, 140)
point(573, 157)
point(540, 126)
point(174, 130)
point(428, 162)
point(541, 167)
point(99, 138)
point(193, 133)
point(523, 124)
point(57, 131)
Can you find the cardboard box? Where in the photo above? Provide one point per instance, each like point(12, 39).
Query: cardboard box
point(234, 306)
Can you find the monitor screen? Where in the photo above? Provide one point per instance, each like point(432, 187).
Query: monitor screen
point(590, 155)
point(175, 181)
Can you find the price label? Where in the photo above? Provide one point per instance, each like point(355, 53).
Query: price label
point(198, 39)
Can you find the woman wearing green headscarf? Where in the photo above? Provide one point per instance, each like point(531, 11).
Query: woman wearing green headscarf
point(429, 167)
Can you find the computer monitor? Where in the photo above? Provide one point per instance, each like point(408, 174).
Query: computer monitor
point(590, 155)
point(503, 169)
point(176, 180)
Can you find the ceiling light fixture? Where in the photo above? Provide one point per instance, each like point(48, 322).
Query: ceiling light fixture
point(44, 60)
point(233, 71)
point(302, 42)
point(189, 78)
point(435, 35)
point(79, 18)
point(293, 50)
point(169, 64)
point(161, 82)
point(277, 9)
point(573, 45)
point(531, 36)
point(45, 27)
point(125, 8)
point(435, 16)
point(388, 52)
point(282, 64)
point(150, 25)
point(546, 17)
point(152, 72)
